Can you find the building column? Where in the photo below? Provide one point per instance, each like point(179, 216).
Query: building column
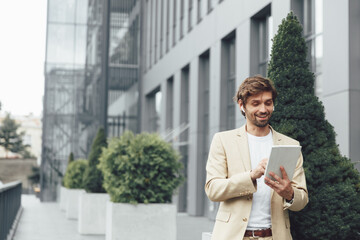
point(336, 69)
point(354, 75)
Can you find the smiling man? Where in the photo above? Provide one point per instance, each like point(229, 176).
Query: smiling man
point(251, 206)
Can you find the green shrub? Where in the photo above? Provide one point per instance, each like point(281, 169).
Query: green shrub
point(70, 159)
point(74, 174)
point(140, 169)
point(333, 183)
point(93, 177)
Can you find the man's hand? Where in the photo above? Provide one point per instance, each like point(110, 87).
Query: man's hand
point(259, 170)
point(282, 185)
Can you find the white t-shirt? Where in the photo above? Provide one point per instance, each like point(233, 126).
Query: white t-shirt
point(260, 216)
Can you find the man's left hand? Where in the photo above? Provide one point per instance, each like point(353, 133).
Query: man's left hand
point(281, 186)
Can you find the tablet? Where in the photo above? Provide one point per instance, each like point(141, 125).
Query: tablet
point(283, 155)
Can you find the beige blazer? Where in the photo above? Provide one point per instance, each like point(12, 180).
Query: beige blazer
point(228, 182)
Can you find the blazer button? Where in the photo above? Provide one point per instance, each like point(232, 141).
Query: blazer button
point(245, 219)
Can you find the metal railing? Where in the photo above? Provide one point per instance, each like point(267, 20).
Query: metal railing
point(10, 202)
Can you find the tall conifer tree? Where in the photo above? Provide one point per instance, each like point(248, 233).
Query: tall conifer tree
point(93, 177)
point(333, 183)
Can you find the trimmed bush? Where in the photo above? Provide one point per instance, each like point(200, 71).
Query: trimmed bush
point(140, 169)
point(333, 183)
point(74, 174)
point(93, 177)
point(70, 160)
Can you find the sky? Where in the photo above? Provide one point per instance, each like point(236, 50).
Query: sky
point(22, 56)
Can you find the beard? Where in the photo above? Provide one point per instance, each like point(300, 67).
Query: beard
point(263, 123)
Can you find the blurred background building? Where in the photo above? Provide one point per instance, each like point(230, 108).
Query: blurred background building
point(172, 66)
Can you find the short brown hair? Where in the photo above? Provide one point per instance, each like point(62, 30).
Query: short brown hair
point(253, 86)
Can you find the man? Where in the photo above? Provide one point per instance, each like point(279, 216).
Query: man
point(251, 205)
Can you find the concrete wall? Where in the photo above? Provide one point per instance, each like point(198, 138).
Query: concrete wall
point(341, 95)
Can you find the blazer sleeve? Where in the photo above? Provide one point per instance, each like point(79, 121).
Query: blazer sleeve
point(300, 190)
point(219, 185)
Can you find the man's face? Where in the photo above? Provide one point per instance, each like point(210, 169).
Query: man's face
point(258, 109)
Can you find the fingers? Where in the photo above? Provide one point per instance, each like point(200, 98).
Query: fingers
point(283, 172)
point(276, 177)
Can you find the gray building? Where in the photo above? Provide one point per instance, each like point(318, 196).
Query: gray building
point(196, 53)
point(172, 67)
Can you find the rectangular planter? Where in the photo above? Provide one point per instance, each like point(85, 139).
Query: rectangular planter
point(142, 221)
point(92, 213)
point(63, 192)
point(72, 203)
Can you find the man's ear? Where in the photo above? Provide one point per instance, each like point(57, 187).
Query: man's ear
point(241, 105)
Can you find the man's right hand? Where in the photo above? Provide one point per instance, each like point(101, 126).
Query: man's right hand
point(259, 170)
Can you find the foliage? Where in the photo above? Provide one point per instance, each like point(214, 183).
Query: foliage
point(27, 154)
point(10, 139)
point(140, 169)
point(93, 177)
point(70, 158)
point(34, 178)
point(333, 183)
point(74, 174)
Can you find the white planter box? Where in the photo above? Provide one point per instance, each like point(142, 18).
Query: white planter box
point(72, 203)
point(141, 221)
point(92, 213)
point(63, 198)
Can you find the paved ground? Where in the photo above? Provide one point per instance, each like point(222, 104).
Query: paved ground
point(40, 221)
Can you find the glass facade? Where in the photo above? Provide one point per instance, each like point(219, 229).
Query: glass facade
point(64, 80)
point(91, 65)
point(123, 65)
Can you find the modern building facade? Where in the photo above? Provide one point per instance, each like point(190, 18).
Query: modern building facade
point(173, 66)
point(64, 83)
point(91, 64)
point(195, 54)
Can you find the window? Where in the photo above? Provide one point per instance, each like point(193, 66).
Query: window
point(174, 22)
point(261, 35)
point(310, 14)
point(170, 104)
point(154, 110)
point(199, 16)
point(184, 136)
point(167, 25)
point(203, 118)
point(151, 32)
point(156, 30)
point(313, 33)
point(182, 12)
point(161, 27)
point(190, 15)
point(228, 81)
point(265, 35)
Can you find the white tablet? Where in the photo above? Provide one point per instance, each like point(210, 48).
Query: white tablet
point(283, 155)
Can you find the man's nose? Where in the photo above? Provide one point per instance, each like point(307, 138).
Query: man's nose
point(263, 108)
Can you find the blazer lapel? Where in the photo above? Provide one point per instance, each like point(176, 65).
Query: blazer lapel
point(243, 145)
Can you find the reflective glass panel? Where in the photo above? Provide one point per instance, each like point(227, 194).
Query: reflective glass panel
point(81, 11)
point(80, 45)
point(61, 11)
point(60, 43)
